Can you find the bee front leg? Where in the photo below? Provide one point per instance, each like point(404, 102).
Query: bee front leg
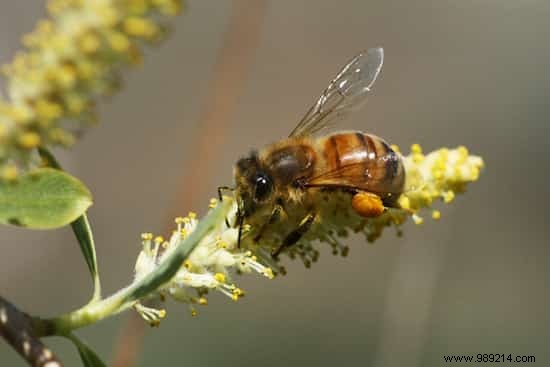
point(221, 189)
point(275, 214)
point(296, 234)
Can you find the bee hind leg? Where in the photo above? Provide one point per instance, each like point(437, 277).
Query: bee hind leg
point(295, 235)
point(367, 204)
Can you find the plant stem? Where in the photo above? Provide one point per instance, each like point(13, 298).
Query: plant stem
point(126, 297)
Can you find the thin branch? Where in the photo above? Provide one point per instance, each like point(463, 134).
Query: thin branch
point(16, 328)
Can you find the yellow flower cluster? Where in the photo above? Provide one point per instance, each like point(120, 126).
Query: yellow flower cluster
point(438, 176)
point(71, 59)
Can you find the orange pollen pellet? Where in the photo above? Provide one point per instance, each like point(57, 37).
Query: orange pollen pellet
point(367, 205)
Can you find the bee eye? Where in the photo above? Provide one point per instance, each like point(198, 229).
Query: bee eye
point(263, 187)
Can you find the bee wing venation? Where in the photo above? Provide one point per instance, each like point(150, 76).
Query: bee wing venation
point(352, 176)
point(345, 93)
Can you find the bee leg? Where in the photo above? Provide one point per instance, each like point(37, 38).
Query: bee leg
point(367, 204)
point(272, 219)
point(221, 189)
point(295, 235)
point(240, 222)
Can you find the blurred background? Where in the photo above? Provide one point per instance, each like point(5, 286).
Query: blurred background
point(238, 74)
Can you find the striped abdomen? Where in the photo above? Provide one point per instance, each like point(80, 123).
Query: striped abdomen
point(361, 161)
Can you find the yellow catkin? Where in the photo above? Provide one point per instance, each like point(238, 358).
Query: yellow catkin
point(72, 58)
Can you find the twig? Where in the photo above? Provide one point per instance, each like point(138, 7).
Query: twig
point(16, 328)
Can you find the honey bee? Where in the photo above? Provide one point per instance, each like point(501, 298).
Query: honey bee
point(295, 171)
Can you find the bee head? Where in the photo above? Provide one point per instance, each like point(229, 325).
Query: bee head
point(255, 185)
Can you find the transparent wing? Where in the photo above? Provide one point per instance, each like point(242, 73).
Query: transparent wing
point(345, 93)
point(354, 176)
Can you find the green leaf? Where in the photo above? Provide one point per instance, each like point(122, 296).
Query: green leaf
point(82, 231)
point(42, 199)
point(88, 356)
